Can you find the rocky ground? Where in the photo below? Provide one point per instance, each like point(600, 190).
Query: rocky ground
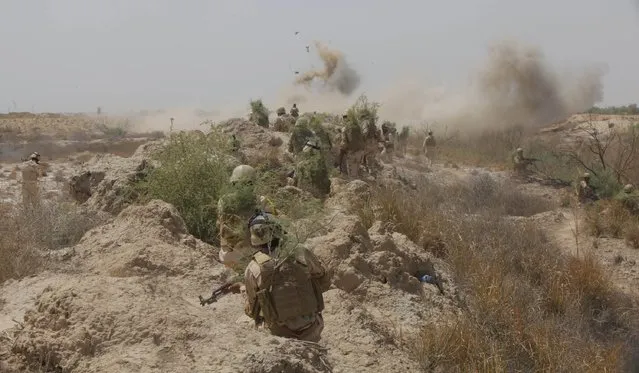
point(125, 298)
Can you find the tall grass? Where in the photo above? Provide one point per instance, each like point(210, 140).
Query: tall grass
point(528, 306)
point(28, 232)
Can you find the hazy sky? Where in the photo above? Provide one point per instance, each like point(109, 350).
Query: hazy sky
point(75, 55)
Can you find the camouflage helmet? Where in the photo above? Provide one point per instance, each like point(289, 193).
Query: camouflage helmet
point(628, 188)
point(586, 175)
point(281, 111)
point(243, 173)
point(430, 132)
point(264, 229)
point(520, 150)
point(311, 145)
point(34, 156)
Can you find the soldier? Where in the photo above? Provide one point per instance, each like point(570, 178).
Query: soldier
point(629, 198)
point(31, 171)
point(233, 209)
point(428, 147)
point(284, 287)
point(234, 144)
point(388, 140)
point(585, 191)
point(294, 111)
point(352, 148)
point(311, 173)
point(372, 138)
point(300, 135)
point(521, 163)
point(280, 123)
point(402, 141)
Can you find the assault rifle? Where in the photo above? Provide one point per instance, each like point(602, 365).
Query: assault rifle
point(218, 292)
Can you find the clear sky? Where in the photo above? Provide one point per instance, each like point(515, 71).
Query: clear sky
point(75, 55)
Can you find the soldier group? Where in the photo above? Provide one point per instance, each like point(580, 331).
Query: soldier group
point(283, 282)
point(585, 191)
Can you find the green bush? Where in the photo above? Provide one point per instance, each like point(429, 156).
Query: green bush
point(193, 174)
point(605, 184)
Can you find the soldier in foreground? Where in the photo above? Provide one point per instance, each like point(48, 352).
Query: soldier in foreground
point(284, 285)
point(31, 171)
point(585, 191)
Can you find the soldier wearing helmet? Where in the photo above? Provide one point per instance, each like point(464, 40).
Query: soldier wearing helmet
point(284, 285)
point(232, 211)
point(284, 122)
point(428, 146)
point(311, 172)
point(585, 191)
point(629, 198)
point(521, 163)
point(31, 170)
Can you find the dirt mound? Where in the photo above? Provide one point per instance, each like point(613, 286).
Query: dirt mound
point(143, 240)
point(104, 182)
point(256, 143)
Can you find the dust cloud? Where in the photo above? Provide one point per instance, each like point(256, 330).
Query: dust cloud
point(515, 86)
point(337, 75)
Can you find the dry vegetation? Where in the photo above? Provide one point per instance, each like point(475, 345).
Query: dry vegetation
point(28, 232)
point(529, 307)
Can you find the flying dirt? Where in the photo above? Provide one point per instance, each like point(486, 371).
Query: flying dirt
point(337, 75)
point(516, 86)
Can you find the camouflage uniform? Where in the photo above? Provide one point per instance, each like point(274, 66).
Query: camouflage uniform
point(428, 147)
point(31, 171)
point(585, 192)
point(372, 138)
point(521, 163)
point(629, 198)
point(311, 173)
point(284, 122)
point(388, 141)
point(352, 149)
point(402, 141)
point(233, 210)
point(285, 293)
point(299, 136)
point(295, 111)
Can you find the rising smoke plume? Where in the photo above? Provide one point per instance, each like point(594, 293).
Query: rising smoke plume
point(337, 75)
point(516, 86)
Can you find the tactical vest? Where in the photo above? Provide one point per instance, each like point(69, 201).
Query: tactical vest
point(288, 290)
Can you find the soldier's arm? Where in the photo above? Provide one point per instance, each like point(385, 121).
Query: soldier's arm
point(317, 270)
point(250, 282)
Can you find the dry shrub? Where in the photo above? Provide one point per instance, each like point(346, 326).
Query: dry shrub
point(47, 226)
point(632, 235)
point(611, 219)
point(529, 307)
point(18, 258)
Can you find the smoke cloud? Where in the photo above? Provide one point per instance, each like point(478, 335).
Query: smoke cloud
point(516, 86)
point(337, 75)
